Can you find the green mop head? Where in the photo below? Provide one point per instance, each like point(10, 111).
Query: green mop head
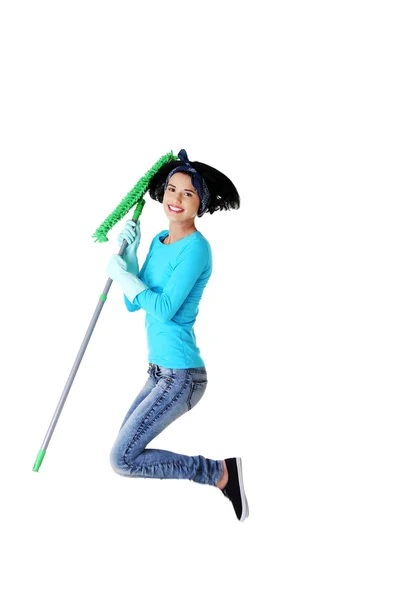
point(132, 198)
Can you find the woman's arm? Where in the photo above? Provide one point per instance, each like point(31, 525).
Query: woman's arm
point(190, 265)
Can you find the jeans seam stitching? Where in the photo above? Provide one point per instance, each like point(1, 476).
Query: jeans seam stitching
point(141, 429)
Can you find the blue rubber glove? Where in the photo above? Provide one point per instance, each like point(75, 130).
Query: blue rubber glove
point(130, 284)
point(132, 235)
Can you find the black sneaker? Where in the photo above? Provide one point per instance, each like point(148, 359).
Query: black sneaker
point(234, 489)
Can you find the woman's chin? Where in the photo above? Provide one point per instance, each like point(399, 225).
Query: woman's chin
point(174, 217)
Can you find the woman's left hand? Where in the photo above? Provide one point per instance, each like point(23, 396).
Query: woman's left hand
point(116, 266)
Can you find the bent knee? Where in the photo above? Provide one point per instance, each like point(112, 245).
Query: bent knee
point(117, 461)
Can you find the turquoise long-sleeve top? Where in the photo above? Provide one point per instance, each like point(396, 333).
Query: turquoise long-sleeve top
point(176, 275)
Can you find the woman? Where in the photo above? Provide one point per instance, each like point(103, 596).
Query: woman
point(169, 287)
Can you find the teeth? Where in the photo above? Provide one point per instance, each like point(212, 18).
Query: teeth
point(175, 209)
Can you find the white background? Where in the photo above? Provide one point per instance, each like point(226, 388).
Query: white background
point(298, 103)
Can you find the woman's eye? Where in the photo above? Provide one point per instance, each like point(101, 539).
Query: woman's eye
point(171, 189)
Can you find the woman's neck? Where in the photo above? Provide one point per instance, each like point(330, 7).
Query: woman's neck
point(178, 231)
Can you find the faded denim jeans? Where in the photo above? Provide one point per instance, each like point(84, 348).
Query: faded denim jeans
point(167, 395)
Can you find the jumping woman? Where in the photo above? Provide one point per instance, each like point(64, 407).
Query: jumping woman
point(169, 287)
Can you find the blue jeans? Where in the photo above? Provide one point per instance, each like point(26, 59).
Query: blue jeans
point(167, 395)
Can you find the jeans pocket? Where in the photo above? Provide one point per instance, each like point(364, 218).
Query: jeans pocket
point(196, 392)
point(165, 374)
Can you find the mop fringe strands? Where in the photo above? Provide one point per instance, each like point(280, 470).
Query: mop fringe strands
point(134, 197)
point(131, 199)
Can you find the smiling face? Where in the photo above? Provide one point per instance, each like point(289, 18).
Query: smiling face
point(180, 194)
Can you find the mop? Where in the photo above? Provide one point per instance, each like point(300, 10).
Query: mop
point(134, 197)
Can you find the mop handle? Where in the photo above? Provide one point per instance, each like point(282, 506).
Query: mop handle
point(81, 352)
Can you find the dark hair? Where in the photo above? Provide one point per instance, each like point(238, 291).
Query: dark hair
point(223, 194)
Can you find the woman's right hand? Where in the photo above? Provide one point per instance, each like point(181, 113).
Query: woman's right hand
point(131, 233)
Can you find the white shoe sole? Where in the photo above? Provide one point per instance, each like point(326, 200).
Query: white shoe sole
point(245, 506)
